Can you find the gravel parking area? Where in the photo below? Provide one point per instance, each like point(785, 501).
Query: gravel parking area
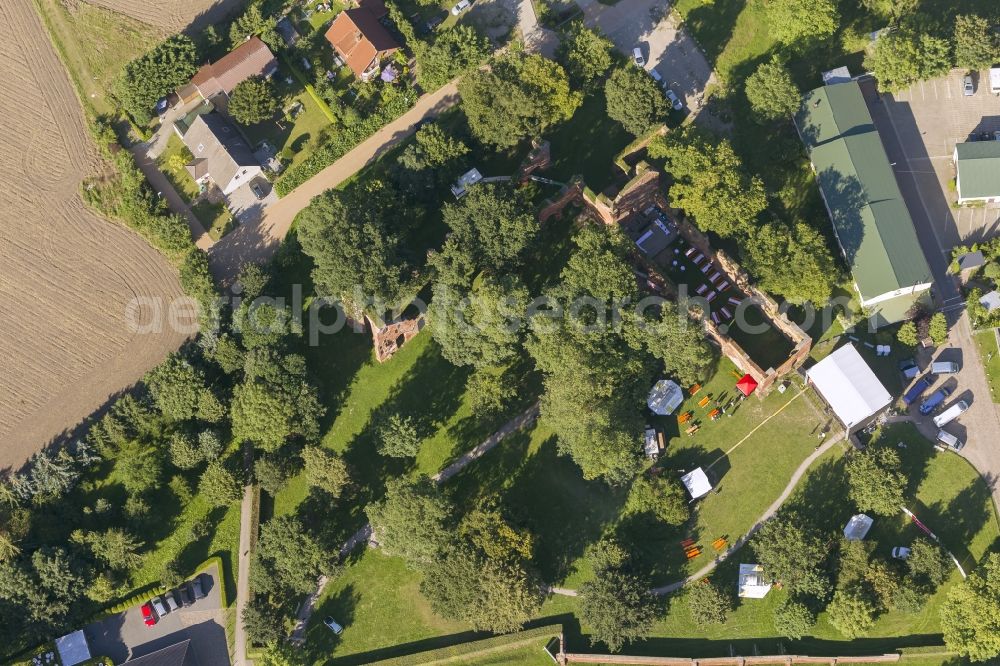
point(666, 47)
point(246, 207)
point(125, 636)
point(929, 119)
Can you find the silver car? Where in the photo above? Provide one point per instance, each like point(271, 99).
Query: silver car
point(675, 102)
point(967, 88)
point(159, 606)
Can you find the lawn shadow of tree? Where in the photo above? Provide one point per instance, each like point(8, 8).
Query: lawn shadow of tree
point(960, 521)
point(822, 498)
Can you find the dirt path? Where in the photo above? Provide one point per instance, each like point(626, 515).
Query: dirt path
point(68, 275)
point(523, 420)
point(243, 564)
point(256, 242)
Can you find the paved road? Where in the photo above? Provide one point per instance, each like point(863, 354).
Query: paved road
point(523, 420)
point(125, 636)
point(257, 242)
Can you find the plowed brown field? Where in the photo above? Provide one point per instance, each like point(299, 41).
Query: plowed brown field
point(66, 275)
point(172, 15)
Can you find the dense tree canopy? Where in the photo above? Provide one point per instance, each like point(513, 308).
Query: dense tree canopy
point(792, 553)
point(970, 618)
point(877, 481)
point(793, 619)
point(795, 263)
point(253, 101)
point(851, 614)
point(927, 563)
point(412, 520)
point(176, 386)
point(616, 604)
point(771, 92)
point(397, 436)
point(710, 183)
point(659, 496)
point(674, 338)
point(289, 555)
point(976, 45)
point(635, 100)
point(493, 224)
point(325, 470)
point(483, 327)
point(275, 401)
point(159, 71)
point(453, 52)
point(585, 54)
point(797, 21)
point(707, 603)
point(355, 243)
point(904, 56)
point(517, 98)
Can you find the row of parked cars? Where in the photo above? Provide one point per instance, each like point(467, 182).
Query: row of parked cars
point(935, 400)
point(185, 595)
point(640, 61)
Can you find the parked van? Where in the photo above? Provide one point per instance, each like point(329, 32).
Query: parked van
point(917, 390)
point(995, 80)
point(933, 402)
point(944, 367)
point(949, 440)
point(950, 414)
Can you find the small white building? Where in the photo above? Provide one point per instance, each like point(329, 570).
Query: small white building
point(849, 386)
point(753, 584)
point(665, 397)
point(697, 483)
point(467, 179)
point(857, 527)
point(73, 648)
point(990, 301)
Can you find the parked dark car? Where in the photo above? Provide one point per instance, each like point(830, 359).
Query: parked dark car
point(198, 586)
point(184, 592)
point(909, 368)
point(917, 390)
point(935, 401)
point(258, 190)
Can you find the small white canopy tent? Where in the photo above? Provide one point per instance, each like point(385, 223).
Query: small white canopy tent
point(665, 397)
point(849, 386)
point(857, 527)
point(697, 483)
point(752, 582)
point(73, 648)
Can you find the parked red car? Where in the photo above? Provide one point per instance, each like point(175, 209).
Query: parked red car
point(148, 616)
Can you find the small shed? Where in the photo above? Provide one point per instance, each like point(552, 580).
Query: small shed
point(990, 301)
point(73, 648)
point(753, 584)
point(836, 75)
point(857, 527)
point(970, 261)
point(466, 180)
point(665, 397)
point(697, 483)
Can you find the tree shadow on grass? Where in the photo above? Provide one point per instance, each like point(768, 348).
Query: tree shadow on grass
point(341, 607)
point(565, 512)
point(822, 498)
point(491, 474)
point(960, 521)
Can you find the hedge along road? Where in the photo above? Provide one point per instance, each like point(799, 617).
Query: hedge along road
point(256, 242)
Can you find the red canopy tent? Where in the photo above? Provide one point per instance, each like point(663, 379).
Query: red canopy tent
point(746, 385)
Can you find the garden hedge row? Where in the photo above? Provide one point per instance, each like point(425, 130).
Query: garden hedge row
point(473, 648)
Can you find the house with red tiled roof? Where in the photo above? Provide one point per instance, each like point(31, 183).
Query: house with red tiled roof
point(251, 58)
point(360, 40)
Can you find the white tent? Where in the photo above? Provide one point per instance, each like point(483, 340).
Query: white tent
point(849, 386)
point(753, 584)
point(696, 483)
point(665, 397)
point(73, 648)
point(857, 527)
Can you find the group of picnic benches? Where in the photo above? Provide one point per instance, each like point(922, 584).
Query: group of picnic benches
point(715, 413)
point(693, 550)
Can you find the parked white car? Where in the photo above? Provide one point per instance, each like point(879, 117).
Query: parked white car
point(461, 7)
point(637, 57)
point(675, 101)
point(332, 625)
point(901, 552)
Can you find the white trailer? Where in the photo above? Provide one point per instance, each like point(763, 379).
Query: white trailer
point(950, 414)
point(995, 80)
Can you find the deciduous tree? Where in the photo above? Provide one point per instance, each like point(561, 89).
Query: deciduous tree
point(796, 21)
point(975, 42)
point(851, 614)
point(584, 53)
point(635, 100)
point(412, 521)
point(161, 70)
point(253, 101)
point(453, 52)
point(707, 603)
point(792, 553)
point(659, 496)
point(793, 619)
point(796, 263)
point(902, 57)
point(877, 480)
point(493, 224)
point(927, 563)
point(325, 470)
point(771, 92)
point(518, 97)
point(617, 604)
point(970, 618)
point(175, 386)
point(397, 436)
point(218, 485)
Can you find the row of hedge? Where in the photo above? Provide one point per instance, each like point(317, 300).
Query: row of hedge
point(342, 141)
point(465, 651)
point(141, 597)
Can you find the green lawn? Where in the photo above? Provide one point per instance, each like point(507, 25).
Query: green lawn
point(171, 162)
point(947, 495)
point(990, 358)
point(214, 217)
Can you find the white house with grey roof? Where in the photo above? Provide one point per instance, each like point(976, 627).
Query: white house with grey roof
point(221, 156)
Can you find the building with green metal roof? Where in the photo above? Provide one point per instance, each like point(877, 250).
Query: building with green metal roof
point(978, 167)
point(870, 218)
